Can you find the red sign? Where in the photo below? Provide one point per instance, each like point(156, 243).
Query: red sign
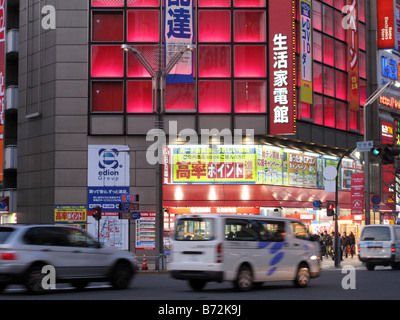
point(353, 58)
point(386, 24)
point(357, 193)
point(282, 112)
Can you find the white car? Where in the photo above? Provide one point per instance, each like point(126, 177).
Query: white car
point(76, 257)
point(243, 249)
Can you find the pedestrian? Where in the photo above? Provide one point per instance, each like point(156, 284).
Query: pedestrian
point(322, 243)
point(345, 244)
point(352, 243)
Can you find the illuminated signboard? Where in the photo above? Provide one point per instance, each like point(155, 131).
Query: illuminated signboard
point(386, 24)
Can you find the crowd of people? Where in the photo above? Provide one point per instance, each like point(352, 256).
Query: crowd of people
point(346, 243)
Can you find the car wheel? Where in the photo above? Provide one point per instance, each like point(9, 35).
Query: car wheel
point(79, 284)
point(197, 284)
point(244, 280)
point(34, 278)
point(370, 266)
point(302, 276)
point(121, 276)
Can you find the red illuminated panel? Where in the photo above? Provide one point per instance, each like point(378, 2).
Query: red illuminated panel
point(305, 110)
point(318, 110)
point(139, 97)
point(143, 26)
point(143, 3)
point(214, 3)
point(214, 26)
point(250, 26)
point(341, 114)
point(108, 26)
point(107, 61)
point(328, 18)
point(250, 61)
point(361, 10)
point(214, 61)
point(362, 65)
point(135, 68)
point(340, 32)
point(329, 80)
point(249, 3)
point(329, 105)
point(361, 36)
point(107, 96)
point(214, 96)
point(250, 96)
point(317, 77)
point(363, 92)
point(341, 55)
point(317, 14)
point(317, 46)
point(180, 96)
point(353, 120)
point(341, 85)
point(107, 3)
point(329, 51)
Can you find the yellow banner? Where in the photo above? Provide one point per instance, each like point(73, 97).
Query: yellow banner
point(70, 214)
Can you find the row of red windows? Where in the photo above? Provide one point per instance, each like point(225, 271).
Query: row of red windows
point(214, 96)
point(156, 3)
point(214, 26)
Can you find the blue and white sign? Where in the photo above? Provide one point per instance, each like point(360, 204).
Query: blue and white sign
point(179, 33)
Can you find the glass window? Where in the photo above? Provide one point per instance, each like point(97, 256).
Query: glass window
point(214, 61)
point(108, 26)
point(317, 77)
point(46, 236)
point(341, 85)
point(108, 3)
point(107, 96)
point(340, 32)
point(143, 3)
point(180, 96)
point(135, 68)
point(329, 81)
point(214, 3)
point(362, 65)
point(250, 96)
point(305, 110)
point(107, 61)
point(361, 10)
point(299, 230)
point(363, 92)
point(340, 55)
point(339, 4)
point(254, 230)
point(249, 26)
point(329, 51)
point(214, 96)
point(250, 61)
point(329, 112)
point(317, 46)
point(361, 36)
point(78, 238)
point(328, 19)
point(318, 109)
point(143, 26)
point(341, 115)
point(354, 120)
point(249, 3)
point(139, 96)
point(214, 26)
point(317, 14)
point(5, 232)
point(376, 234)
point(195, 229)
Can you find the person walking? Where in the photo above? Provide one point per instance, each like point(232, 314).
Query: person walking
point(352, 243)
point(345, 244)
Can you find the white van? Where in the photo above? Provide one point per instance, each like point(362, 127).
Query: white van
point(243, 249)
point(379, 244)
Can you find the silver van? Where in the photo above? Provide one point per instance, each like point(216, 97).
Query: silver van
point(76, 257)
point(380, 245)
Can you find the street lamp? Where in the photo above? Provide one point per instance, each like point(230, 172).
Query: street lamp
point(159, 75)
point(371, 99)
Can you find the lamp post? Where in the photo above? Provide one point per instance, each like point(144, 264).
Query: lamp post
point(371, 99)
point(159, 75)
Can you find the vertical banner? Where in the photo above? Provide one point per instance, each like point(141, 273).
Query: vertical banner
point(178, 34)
point(357, 193)
point(386, 24)
point(2, 80)
point(352, 54)
point(282, 112)
point(306, 44)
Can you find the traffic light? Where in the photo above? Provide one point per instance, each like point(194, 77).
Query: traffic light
point(97, 213)
point(388, 153)
point(330, 208)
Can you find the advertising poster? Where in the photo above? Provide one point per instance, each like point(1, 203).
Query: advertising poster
point(146, 231)
point(357, 193)
point(310, 171)
point(306, 45)
point(269, 165)
point(386, 24)
point(70, 214)
point(353, 59)
point(295, 168)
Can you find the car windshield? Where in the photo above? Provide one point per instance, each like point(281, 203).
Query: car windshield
point(196, 229)
point(5, 233)
point(376, 234)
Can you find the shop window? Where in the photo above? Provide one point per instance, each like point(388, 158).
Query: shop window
point(329, 112)
point(341, 115)
point(107, 61)
point(214, 3)
point(317, 77)
point(249, 61)
point(340, 32)
point(305, 110)
point(318, 109)
point(108, 3)
point(353, 120)
point(249, 3)
point(143, 26)
point(362, 64)
point(107, 96)
point(340, 55)
point(250, 96)
point(317, 46)
point(108, 26)
point(214, 61)
point(214, 96)
point(214, 26)
point(317, 14)
point(143, 3)
point(341, 85)
point(139, 96)
point(361, 36)
point(328, 19)
point(329, 81)
point(329, 51)
point(180, 96)
point(250, 26)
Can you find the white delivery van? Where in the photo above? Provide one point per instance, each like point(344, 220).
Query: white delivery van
point(243, 249)
point(379, 244)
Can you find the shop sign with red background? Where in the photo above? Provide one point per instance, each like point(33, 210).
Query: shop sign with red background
point(353, 58)
point(357, 193)
point(386, 24)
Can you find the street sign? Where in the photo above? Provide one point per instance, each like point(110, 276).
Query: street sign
point(130, 215)
point(375, 199)
point(128, 206)
point(135, 215)
point(364, 146)
point(129, 197)
point(317, 204)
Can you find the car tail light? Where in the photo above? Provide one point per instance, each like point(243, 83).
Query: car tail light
point(393, 249)
point(219, 258)
point(8, 256)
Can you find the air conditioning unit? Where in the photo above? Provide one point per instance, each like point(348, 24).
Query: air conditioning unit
point(10, 157)
point(12, 98)
point(12, 40)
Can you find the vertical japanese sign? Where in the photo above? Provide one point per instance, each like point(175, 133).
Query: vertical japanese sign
point(386, 24)
point(352, 54)
point(282, 113)
point(357, 193)
point(178, 34)
point(306, 90)
point(2, 80)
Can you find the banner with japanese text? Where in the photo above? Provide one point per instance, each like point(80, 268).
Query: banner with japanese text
point(70, 214)
point(178, 34)
point(269, 165)
point(306, 44)
point(353, 58)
